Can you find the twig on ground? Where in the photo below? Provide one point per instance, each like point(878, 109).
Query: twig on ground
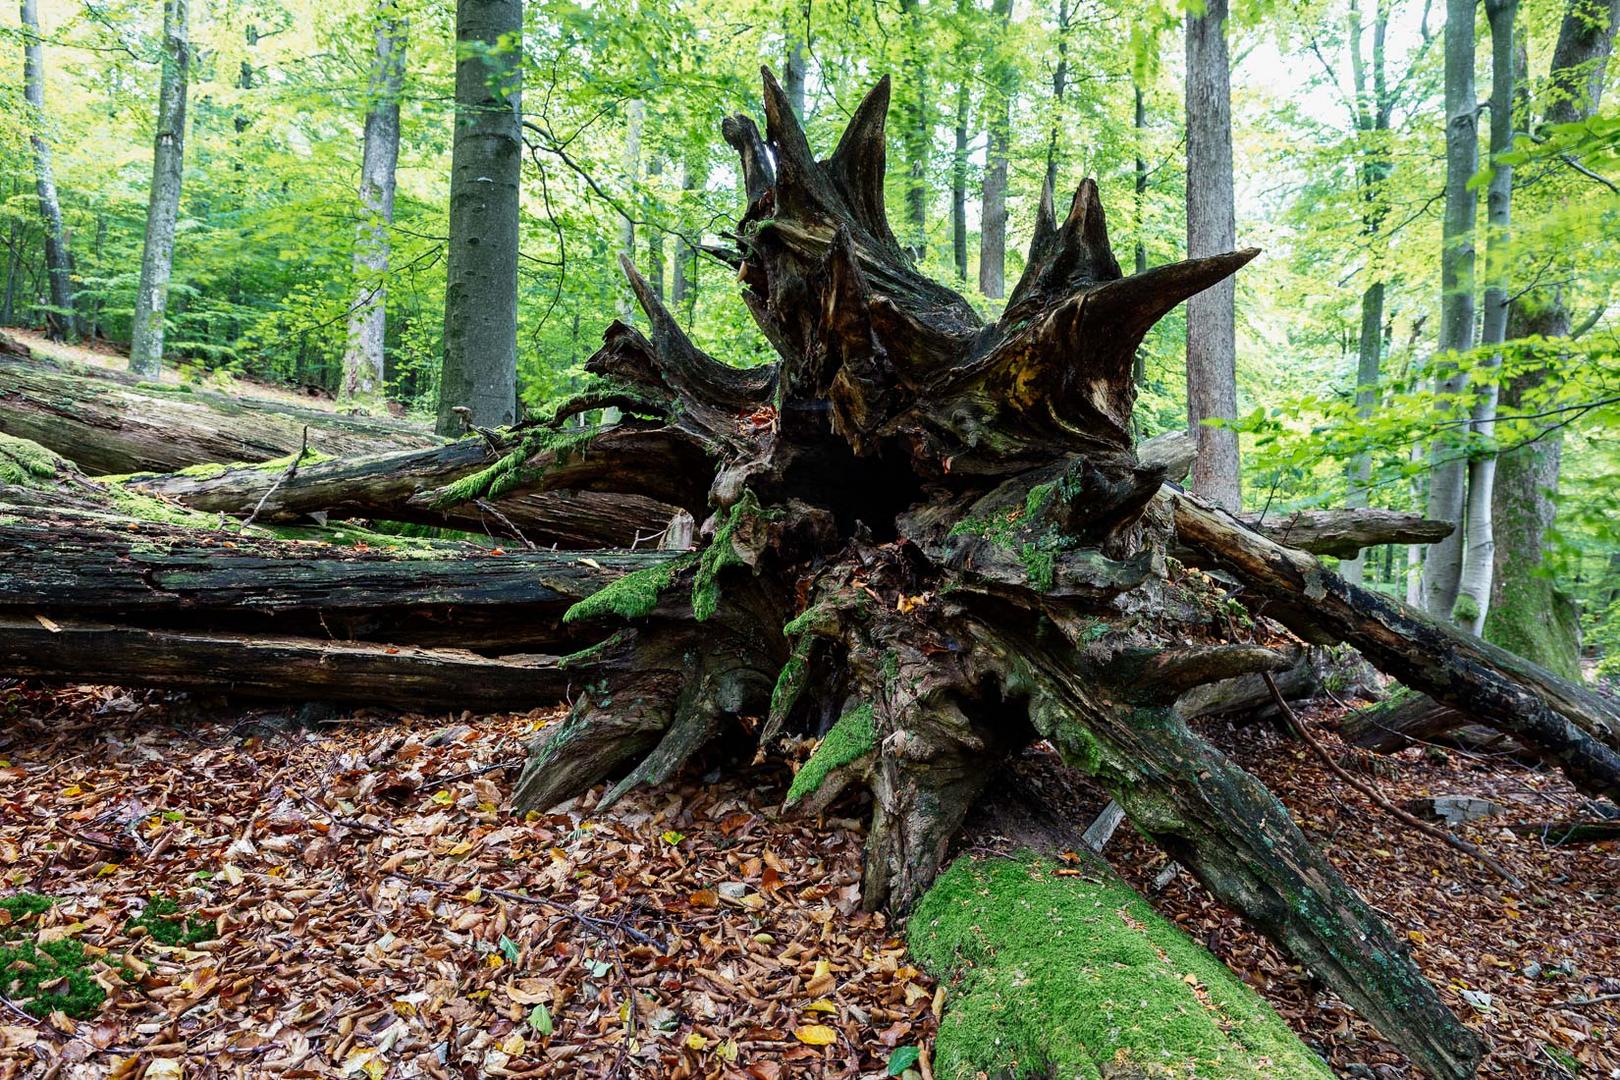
point(1299, 729)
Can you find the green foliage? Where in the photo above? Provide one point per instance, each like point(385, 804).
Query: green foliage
point(1077, 976)
point(851, 738)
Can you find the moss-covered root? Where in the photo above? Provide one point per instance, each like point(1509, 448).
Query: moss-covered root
point(1071, 975)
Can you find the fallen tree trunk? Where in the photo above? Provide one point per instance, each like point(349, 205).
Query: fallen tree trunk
point(106, 425)
point(390, 487)
point(1406, 720)
point(1344, 533)
point(1565, 723)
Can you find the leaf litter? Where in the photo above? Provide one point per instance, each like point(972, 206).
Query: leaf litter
point(355, 901)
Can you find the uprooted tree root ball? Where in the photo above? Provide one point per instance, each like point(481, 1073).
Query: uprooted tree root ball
point(926, 539)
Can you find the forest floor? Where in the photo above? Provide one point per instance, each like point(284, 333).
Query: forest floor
point(105, 356)
point(264, 895)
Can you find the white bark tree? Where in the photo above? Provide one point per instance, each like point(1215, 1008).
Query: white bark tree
point(163, 201)
point(363, 357)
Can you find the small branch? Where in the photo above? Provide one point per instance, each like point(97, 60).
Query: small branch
point(1378, 797)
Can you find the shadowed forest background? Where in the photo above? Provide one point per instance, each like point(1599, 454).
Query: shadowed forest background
point(1340, 162)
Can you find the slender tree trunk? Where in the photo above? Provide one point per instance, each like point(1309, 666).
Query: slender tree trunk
point(1528, 614)
point(794, 63)
point(683, 284)
point(1139, 118)
point(363, 359)
point(1211, 228)
point(1448, 476)
point(959, 178)
point(993, 194)
point(480, 304)
point(655, 241)
point(635, 119)
point(1371, 116)
point(8, 304)
point(1474, 582)
point(917, 130)
point(57, 267)
point(1060, 86)
point(163, 202)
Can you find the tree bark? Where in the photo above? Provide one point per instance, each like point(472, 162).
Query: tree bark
point(113, 425)
point(364, 357)
point(1344, 533)
point(163, 202)
point(959, 164)
point(1139, 121)
point(1474, 581)
point(58, 266)
point(993, 194)
point(1528, 613)
point(1211, 228)
point(480, 301)
point(635, 119)
point(1448, 467)
point(916, 127)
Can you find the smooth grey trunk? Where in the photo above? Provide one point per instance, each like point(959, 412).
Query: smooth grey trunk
point(1371, 114)
point(1448, 472)
point(1528, 614)
point(655, 241)
point(8, 304)
point(163, 201)
point(1060, 86)
point(1211, 230)
point(363, 358)
point(58, 266)
point(635, 118)
point(683, 283)
point(1474, 581)
point(793, 68)
point(480, 299)
point(993, 194)
point(916, 132)
point(959, 179)
point(1139, 117)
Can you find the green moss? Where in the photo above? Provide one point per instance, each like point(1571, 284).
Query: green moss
point(632, 596)
point(160, 511)
point(1066, 976)
point(167, 927)
point(26, 463)
point(720, 554)
point(42, 979)
point(852, 737)
point(790, 682)
point(512, 468)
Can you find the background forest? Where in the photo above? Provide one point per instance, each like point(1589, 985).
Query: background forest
point(1340, 151)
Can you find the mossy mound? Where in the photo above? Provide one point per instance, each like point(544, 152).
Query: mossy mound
point(44, 978)
point(1073, 975)
point(166, 926)
point(853, 736)
point(26, 463)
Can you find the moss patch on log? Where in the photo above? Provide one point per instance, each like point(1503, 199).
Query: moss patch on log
point(632, 596)
point(853, 736)
point(1076, 976)
point(26, 463)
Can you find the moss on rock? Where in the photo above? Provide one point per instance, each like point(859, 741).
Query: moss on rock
point(1076, 976)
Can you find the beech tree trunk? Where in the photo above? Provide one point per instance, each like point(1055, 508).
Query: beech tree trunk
point(993, 195)
point(480, 301)
point(364, 357)
point(58, 265)
point(1211, 228)
point(1448, 466)
point(163, 202)
point(1527, 613)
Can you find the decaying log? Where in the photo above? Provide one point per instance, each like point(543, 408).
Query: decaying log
point(387, 487)
point(1344, 533)
point(1408, 719)
point(283, 668)
point(110, 425)
point(1567, 724)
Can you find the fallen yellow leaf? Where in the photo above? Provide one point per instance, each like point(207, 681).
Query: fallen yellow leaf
point(816, 1035)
